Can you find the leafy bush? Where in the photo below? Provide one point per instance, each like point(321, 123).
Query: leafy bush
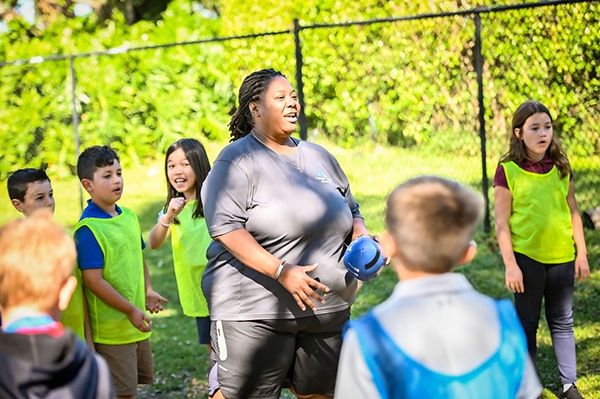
point(406, 83)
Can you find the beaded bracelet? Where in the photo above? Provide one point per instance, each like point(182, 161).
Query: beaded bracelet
point(279, 269)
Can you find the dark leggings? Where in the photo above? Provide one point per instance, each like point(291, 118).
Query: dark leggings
point(554, 284)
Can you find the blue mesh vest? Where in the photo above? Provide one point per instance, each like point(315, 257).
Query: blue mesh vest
point(396, 375)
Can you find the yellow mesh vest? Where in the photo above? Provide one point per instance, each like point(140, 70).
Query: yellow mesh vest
point(189, 241)
point(120, 240)
point(540, 221)
point(73, 316)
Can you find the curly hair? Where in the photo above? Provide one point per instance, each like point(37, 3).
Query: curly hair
point(94, 157)
point(252, 88)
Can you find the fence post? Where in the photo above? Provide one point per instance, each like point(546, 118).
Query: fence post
point(299, 83)
point(75, 117)
point(479, 70)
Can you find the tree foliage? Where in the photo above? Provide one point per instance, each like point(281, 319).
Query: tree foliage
point(49, 12)
point(409, 82)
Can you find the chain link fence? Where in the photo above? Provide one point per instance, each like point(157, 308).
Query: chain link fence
point(442, 139)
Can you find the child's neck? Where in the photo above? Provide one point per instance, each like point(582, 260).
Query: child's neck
point(191, 195)
point(9, 316)
point(111, 209)
point(405, 274)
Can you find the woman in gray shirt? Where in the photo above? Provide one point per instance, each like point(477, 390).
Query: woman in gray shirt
point(280, 211)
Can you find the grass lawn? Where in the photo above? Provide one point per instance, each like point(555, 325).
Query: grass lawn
point(181, 363)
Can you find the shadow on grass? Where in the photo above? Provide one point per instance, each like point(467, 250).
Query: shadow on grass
point(181, 363)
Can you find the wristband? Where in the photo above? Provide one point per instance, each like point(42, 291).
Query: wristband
point(279, 269)
point(163, 224)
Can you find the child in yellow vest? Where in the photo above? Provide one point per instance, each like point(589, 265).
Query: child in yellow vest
point(186, 167)
point(540, 234)
point(118, 288)
point(30, 189)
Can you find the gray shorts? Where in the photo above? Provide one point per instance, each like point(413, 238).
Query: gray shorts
point(257, 358)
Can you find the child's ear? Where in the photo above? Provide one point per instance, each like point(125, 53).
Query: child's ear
point(518, 133)
point(388, 245)
point(86, 184)
point(17, 204)
point(469, 254)
point(64, 295)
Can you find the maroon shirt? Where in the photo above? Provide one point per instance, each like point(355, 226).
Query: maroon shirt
point(541, 167)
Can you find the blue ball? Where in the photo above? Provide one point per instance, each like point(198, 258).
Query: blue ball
point(364, 258)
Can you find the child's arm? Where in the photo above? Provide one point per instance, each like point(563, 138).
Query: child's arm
point(153, 298)
point(87, 326)
point(503, 209)
point(161, 229)
point(96, 283)
point(582, 268)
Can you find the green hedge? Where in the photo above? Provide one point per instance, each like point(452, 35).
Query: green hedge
point(405, 83)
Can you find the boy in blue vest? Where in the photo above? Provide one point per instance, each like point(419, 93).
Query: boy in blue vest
point(118, 288)
point(38, 356)
point(435, 337)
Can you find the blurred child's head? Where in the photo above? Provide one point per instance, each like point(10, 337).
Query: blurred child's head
point(186, 168)
point(30, 189)
point(430, 222)
point(99, 170)
point(36, 264)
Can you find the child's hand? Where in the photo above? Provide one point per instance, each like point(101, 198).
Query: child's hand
point(176, 205)
point(140, 320)
point(514, 280)
point(154, 302)
point(582, 268)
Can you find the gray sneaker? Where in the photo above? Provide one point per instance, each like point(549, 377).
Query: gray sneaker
point(571, 393)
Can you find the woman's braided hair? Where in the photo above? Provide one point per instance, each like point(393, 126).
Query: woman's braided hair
point(253, 86)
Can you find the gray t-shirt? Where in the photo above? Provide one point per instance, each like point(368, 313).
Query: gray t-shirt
point(298, 207)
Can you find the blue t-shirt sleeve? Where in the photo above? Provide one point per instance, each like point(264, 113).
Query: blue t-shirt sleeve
point(89, 253)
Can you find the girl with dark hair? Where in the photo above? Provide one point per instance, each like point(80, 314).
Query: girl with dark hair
point(186, 168)
point(540, 234)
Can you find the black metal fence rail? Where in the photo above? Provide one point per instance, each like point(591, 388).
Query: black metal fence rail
point(474, 13)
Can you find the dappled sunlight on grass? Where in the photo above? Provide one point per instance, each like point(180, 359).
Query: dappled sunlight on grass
point(167, 312)
point(181, 363)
